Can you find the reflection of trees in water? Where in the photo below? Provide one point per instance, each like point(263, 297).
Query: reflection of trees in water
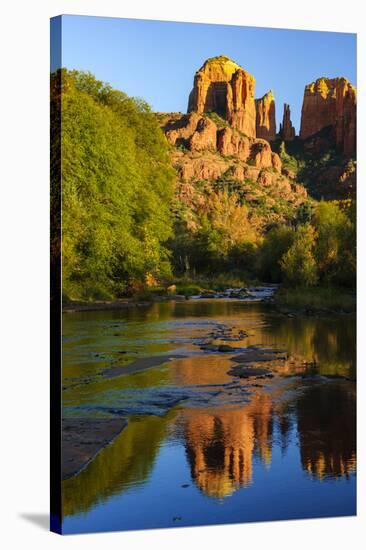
point(330, 342)
point(128, 461)
point(326, 418)
point(221, 443)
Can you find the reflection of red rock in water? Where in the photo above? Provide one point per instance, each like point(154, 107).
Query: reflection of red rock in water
point(220, 444)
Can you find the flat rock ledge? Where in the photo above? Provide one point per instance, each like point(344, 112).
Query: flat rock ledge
point(83, 438)
point(251, 362)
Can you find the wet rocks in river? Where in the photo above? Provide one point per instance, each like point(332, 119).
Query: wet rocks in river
point(248, 371)
point(260, 355)
point(224, 348)
point(250, 362)
point(249, 294)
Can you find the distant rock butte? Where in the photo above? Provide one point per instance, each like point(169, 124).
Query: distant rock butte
point(223, 87)
point(227, 135)
point(287, 131)
point(266, 117)
point(331, 103)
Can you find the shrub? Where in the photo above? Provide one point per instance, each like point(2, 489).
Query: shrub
point(298, 263)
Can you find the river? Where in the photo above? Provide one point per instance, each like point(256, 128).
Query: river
point(203, 446)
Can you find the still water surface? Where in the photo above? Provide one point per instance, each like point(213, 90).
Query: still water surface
point(200, 446)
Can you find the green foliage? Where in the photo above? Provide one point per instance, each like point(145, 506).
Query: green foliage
point(217, 119)
point(221, 240)
point(290, 162)
point(117, 185)
point(276, 243)
point(319, 247)
point(304, 213)
point(298, 263)
point(335, 249)
point(119, 211)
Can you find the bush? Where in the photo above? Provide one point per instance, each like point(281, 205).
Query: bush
point(298, 263)
point(275, 244)
point(335, 249)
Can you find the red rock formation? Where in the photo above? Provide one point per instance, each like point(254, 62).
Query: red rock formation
point(231, 143)
point(346, 107)
point(261, 154)
point(287, 131)
point(223, 87)
point(266, 117)
point(192, 131)
point(276, 162)
point(331, 102)
point(181, 129)
point(208, 167)
point(204, 137)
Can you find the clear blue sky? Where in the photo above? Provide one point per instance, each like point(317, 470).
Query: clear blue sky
point(157, 60)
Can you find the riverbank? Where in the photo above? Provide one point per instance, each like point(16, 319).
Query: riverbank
point(290, 301)
point(315, 301)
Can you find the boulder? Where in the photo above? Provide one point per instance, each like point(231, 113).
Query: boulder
point(261, 154)
point(204, 137)
point(231, 143)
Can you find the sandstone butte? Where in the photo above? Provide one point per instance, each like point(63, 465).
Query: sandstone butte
point(225, 130)
point(266, 117)
point(331, 103)
point(222, 86)
point(226, 89)
point(287, 131)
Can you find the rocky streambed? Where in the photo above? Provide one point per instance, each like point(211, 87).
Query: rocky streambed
point(249, 294)
point(198, 363)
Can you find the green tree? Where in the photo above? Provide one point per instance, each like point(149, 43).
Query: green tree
point(335, 249)
point(275, 244)
point(298, 263)
point(117, 185)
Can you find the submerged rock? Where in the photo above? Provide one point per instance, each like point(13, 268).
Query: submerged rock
point(258, 355)
point(250, 372)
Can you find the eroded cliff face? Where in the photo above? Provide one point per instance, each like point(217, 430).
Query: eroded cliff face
point(224, 139)
point(331, 103)
point(208, 152)
point(223, 87)
point(198, 133)
point(287, 131)
point(266, 117)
